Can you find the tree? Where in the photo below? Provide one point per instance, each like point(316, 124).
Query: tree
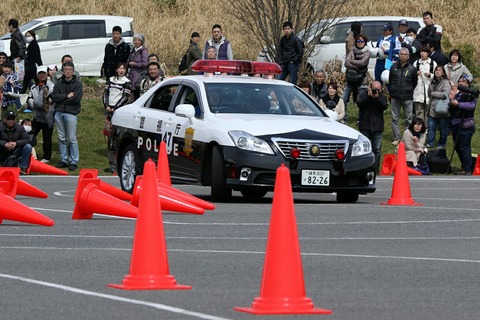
point(264, 19)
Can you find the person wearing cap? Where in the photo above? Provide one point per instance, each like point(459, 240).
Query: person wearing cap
point(462, 110)
point(67, 95)
point(14, 142)
point(11, 88)
point(194, 53)
point(384, 50)
point(137, 61)
point(431, 31)
point(224, 47)
point(400, 38)
point(32, 60)
point(116, 51)
point(42, 106)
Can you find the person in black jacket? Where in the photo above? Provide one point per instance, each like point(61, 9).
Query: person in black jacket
point(436, 55)
point(14, 141)
point(17, 42)
point(371, 104)
point(290, 53)
point(403, 80)
point(116, 51)
point(32, 60)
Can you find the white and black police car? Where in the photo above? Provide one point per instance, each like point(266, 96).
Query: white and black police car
point(232, 132)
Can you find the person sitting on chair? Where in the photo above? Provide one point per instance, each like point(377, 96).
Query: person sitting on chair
point(14, 142)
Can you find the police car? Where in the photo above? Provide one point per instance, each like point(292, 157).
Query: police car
point(232, 132)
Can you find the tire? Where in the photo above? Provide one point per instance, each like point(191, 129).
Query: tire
point(219, 191)
point(253, 193)
point(127, 170)
point(347, 197)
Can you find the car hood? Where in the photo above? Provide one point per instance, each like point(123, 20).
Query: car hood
point(268, 125)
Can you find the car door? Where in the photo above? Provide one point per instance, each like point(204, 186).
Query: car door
point(50, 38)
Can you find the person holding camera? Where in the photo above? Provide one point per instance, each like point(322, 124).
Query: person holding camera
point(331, 101)
point(372, 103)
point(462, 109)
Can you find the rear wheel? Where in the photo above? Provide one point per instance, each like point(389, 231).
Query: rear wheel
point(128, 168)
point(219, 190)
point(347, 197)
point(253, 193)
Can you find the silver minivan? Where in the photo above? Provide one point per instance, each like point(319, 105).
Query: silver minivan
point(82, 36)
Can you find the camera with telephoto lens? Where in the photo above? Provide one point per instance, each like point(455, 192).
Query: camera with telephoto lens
point(331, 104)
point(469, 90)
point(375, 91)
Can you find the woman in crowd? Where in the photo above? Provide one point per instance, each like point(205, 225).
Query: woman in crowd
point(332, 101)
point(32, 60)
point(455, 68)
point(438, 93)
point(414, 139)
point(137, 61)
point(425, 67)
point(462, 109)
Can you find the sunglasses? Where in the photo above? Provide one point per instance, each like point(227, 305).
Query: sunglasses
point(10, 118)
point(359, 41)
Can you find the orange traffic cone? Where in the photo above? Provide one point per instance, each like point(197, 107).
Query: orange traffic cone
point(283, 289)
point(476, 171)
point(413, 172)
point(40, 167)
point(9, 177)
point(388, 164)
point(105, 187)
point(26, 189)
point(163, 168)
point(91, 199)
point(401, 184)
point(149, 263)
point(179, 194)
point(17, 211)
point(168, 203)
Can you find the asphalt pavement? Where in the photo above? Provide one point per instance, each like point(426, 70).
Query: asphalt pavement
point(362, 260)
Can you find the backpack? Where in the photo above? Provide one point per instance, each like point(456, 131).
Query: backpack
point(182, 66)
point(431, 65)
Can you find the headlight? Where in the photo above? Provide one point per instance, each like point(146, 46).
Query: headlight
point(246, 141)
point(362, 146)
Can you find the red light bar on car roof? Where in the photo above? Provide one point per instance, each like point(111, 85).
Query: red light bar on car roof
point(236, 67)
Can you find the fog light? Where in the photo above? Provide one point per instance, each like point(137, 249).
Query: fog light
point(371, 177)
point(245, 174)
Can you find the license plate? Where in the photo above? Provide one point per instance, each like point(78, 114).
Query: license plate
point(316, 178)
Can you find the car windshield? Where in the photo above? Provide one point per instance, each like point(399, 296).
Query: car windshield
point(260, 99)
point(23, 28)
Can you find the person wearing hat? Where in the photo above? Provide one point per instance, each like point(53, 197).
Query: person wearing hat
point(462, 110)
point(137, 61)
point(14, 143)
point(400, 38)
point(116, 51)
point(194, 53)
point(42, 106)
point(11, 89)
point(384, 50)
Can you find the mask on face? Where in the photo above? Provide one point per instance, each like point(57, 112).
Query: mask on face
point(29, 39)
point(27, 128)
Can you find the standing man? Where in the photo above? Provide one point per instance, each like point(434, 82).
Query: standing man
point(436, 55)
point(194, 53)
point(412, 44)
point(58, 75)
point(224, 48)
point(402, 29)
point(371, 104)
point(431, 31)
point(14, 141)
point(290, 53)
point(18, 45)
point(67, 95)
point(403, 80)
point(384, 50)
point(116, 51)
point(319, 87)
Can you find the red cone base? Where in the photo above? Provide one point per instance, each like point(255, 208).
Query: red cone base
point(401, 195)
point(388, 165)
point(282, 290)
point(105, 187)
point(9, 177)
point(40, 167)
point(149, 263)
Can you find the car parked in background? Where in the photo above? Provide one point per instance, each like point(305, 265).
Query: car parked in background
point(82, 36)
point(233, 132)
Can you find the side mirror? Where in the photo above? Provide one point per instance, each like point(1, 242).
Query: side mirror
point(185, 110)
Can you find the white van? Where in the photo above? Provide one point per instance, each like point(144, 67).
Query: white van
point(82, 36)
point(330, 43)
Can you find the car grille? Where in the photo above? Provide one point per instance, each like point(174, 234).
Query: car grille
point(327, 148)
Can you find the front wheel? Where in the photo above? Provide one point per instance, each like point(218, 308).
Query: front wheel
point(347, 197)
point(219, 191)
point(128, 168)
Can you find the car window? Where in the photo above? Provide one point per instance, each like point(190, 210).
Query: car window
point(49, 32)
point(260, 99)
point(85, 30)
point(162, 98)
point(189, 96)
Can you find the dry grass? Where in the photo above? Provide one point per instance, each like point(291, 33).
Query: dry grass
point(167, 28)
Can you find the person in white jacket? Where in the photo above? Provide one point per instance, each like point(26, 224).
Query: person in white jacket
point(425, 67)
